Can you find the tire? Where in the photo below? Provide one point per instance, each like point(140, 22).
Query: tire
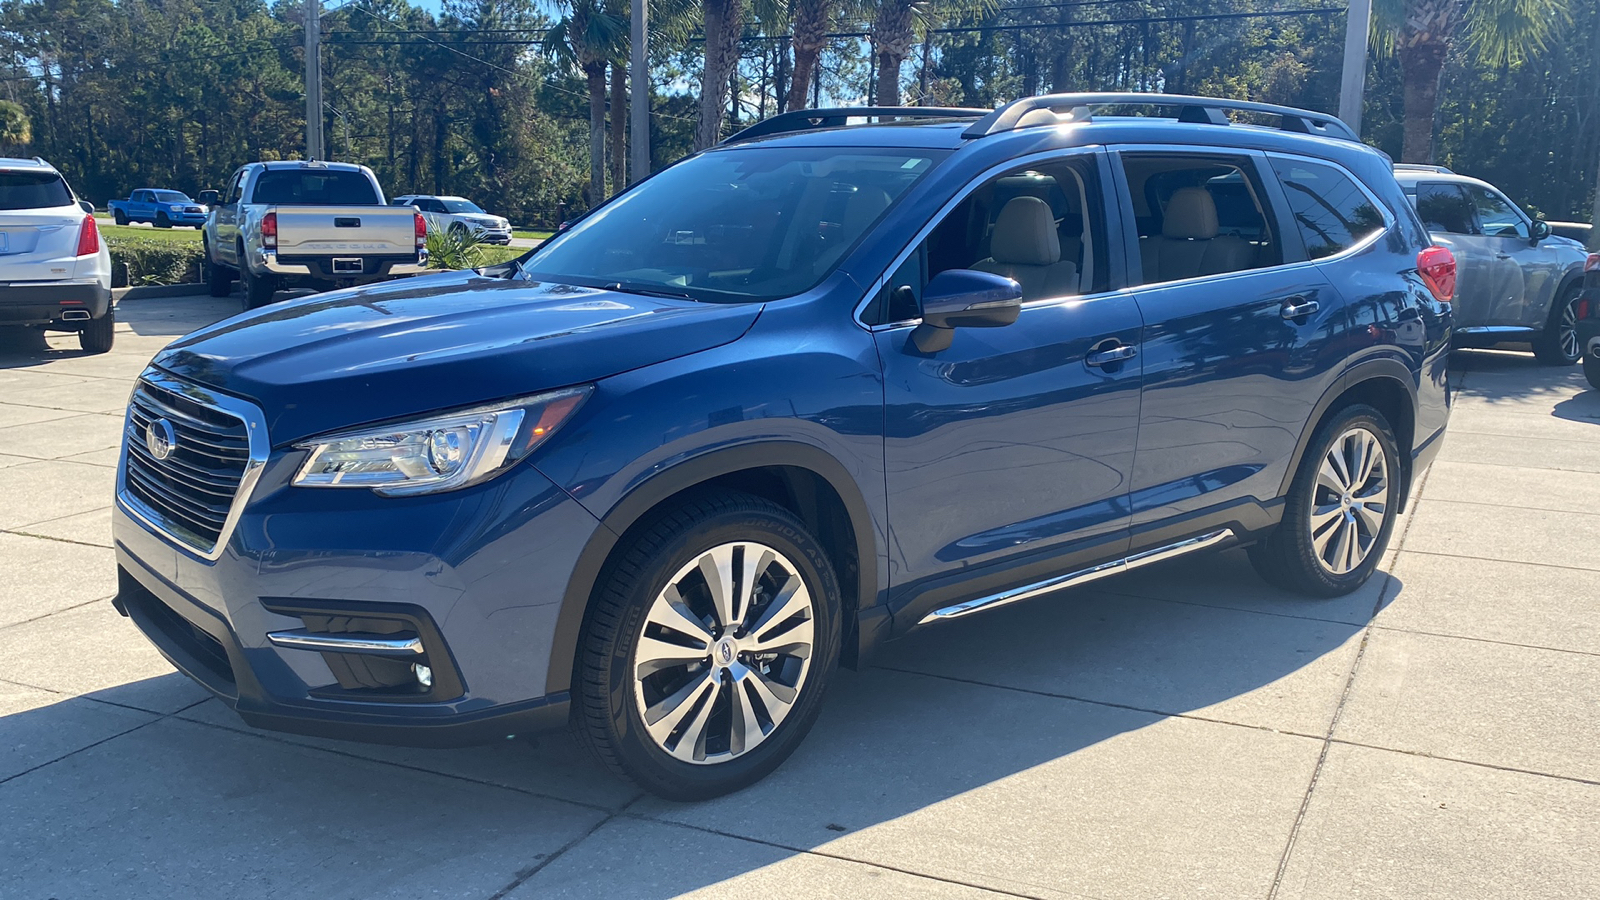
point(1558, 345)
point(97, 335)
point(119, 217)
point(162, 221)
point(219, 280)
point(702, 749)
point(458, 232)
point(1591, 371)
point(1305, 552)
point(258, 289)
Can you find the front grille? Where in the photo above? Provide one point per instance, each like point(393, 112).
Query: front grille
point(192, 490)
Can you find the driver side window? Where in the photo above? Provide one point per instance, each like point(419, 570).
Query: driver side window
point(1496, 216)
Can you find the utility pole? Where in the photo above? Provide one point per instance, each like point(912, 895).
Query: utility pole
point(639, 84)
point(314, 149)
point(1353, 86)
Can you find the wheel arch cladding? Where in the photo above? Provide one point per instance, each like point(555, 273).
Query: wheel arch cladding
point(1383, 384)
point(798, 477)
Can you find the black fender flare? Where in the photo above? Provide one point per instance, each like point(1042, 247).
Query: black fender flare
point(1385, 368)
point(697, 470)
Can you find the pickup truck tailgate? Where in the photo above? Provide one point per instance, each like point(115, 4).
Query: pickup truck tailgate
point(324, 231)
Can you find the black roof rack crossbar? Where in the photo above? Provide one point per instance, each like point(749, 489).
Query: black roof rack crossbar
point(808, 119)
point(1200, 110)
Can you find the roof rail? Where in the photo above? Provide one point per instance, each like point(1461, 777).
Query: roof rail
point(1423, 167)
point(808, 119)
point(1198, 110)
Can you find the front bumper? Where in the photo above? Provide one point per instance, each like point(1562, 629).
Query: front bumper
point(43, 302)
point(478, 575)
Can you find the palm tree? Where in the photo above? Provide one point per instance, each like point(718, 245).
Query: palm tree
point(894, 32)
point(813, 19)
point(1425, 32)
point(589, 37)
point(15, 130)
point(723, 24)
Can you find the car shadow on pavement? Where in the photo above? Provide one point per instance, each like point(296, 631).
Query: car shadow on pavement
point(1201, 665)
point(1515, 377)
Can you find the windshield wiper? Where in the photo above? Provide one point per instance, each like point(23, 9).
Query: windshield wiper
point(643, 290)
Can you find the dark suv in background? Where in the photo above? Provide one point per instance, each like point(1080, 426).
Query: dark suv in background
point(851, 373)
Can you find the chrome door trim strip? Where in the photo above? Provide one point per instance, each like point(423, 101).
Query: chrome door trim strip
point(1081, 576)
point(347, 643)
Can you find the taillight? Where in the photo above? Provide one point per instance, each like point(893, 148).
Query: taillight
point(88, 237)
point(1437, 266)
point(420, 226)
point(1592, 264)
point(269, 231)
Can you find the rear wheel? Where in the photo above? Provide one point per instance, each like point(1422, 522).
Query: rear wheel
point(1340, 509)
point(97, 335)
point(1558, 344)
point(707, 650)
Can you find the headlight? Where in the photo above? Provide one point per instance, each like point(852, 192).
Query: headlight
point(177, 207)
point(440, 453)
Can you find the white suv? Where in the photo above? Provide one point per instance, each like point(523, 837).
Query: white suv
point(458, 214)
point(55, 271)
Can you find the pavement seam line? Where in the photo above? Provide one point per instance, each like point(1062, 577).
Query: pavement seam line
point(59, 540)
point(812, 851)
point(1499, 559)
point(1564, 512)
point(55, 611)
point(1478, 640)
point(159, 717)
point(1514, 437)
point(1390, 581)
point(1422, 754)
point(522, 877)
point(1520, 468)
point(1260, 612)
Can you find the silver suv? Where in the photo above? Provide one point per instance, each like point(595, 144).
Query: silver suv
point(1516, 283)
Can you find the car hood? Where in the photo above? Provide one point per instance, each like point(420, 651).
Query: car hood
point(346, 358)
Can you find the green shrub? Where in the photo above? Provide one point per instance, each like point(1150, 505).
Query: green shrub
point(454, 248)
point(141, 261)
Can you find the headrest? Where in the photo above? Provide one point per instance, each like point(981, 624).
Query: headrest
point(1025, 234)
point(1191, 214)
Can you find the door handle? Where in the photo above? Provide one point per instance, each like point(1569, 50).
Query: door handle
point(1502, 256)
point(1296, 307)
point(1112, 355)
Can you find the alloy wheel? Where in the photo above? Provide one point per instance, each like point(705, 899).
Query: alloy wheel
point(1350, 501)
point(1567, 332)
point(723, 653)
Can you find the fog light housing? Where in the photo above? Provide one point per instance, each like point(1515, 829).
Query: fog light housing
point(424, 675)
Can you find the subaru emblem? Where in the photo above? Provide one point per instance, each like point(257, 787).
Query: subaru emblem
point(159, 438)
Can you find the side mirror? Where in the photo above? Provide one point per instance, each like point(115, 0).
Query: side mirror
point(964, 298)
point(1541, 230)
point(86, 206)
point(209, 198)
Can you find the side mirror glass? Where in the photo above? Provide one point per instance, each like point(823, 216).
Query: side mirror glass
point(86, 206)
point(964, 298)
point(209, 198)
point(1541, 230)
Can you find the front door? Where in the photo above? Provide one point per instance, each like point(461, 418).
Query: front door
point(1008, 454)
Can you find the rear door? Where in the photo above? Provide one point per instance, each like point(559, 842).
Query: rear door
point(1239, 337)
point(39, 225)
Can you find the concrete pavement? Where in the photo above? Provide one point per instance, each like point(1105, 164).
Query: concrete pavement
point(1185, 731)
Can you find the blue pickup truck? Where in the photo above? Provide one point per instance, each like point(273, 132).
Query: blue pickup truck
point(162, 209)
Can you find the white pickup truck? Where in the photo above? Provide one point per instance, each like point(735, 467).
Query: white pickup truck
point(307, 224)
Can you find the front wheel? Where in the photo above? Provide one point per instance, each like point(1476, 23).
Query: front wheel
point(219, 280)
point(1558, 344)
point(1340, 509)
point(162, 221)
point(119, 217)
point(706, 653)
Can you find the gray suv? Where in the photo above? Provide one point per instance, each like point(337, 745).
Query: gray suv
point(1516, 283)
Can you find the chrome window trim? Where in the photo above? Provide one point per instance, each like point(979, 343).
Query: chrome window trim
point(927, 228)
point(256, 435)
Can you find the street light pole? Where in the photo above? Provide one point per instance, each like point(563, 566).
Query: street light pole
point(314, 149)
point(639, 84)
point(1353, 85)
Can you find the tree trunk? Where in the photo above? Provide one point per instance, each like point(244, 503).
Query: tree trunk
point(723, 23)
point(1420, 67)
point(1594, 233)
point(811, 19)
point(619, 127)
point(893, 33)
point(595, 74)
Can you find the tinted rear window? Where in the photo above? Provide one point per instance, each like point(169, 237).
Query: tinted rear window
point(1332, 213)
point(313, 187)
point(33, 190)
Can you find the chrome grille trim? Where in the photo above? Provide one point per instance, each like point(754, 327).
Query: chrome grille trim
point(168, 512)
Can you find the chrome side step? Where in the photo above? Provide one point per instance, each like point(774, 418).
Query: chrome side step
point(1081, 576)
point(348, 643)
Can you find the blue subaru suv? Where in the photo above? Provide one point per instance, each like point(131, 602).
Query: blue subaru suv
point(848, 374)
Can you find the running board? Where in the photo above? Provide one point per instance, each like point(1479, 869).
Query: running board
point(1082, 576)
point(377, 644)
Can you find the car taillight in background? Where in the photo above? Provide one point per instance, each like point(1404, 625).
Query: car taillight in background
point(269, 231)
point(420, 226)
point(1437, 266)
point(1592, 264)
point(88, 237)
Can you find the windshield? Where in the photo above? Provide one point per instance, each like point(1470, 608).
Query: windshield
point(458, 205)
point(746, 224)
point(172, 197)
point(33, 190)
point(314, 187)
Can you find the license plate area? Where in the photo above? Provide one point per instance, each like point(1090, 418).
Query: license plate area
point(347, 265)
